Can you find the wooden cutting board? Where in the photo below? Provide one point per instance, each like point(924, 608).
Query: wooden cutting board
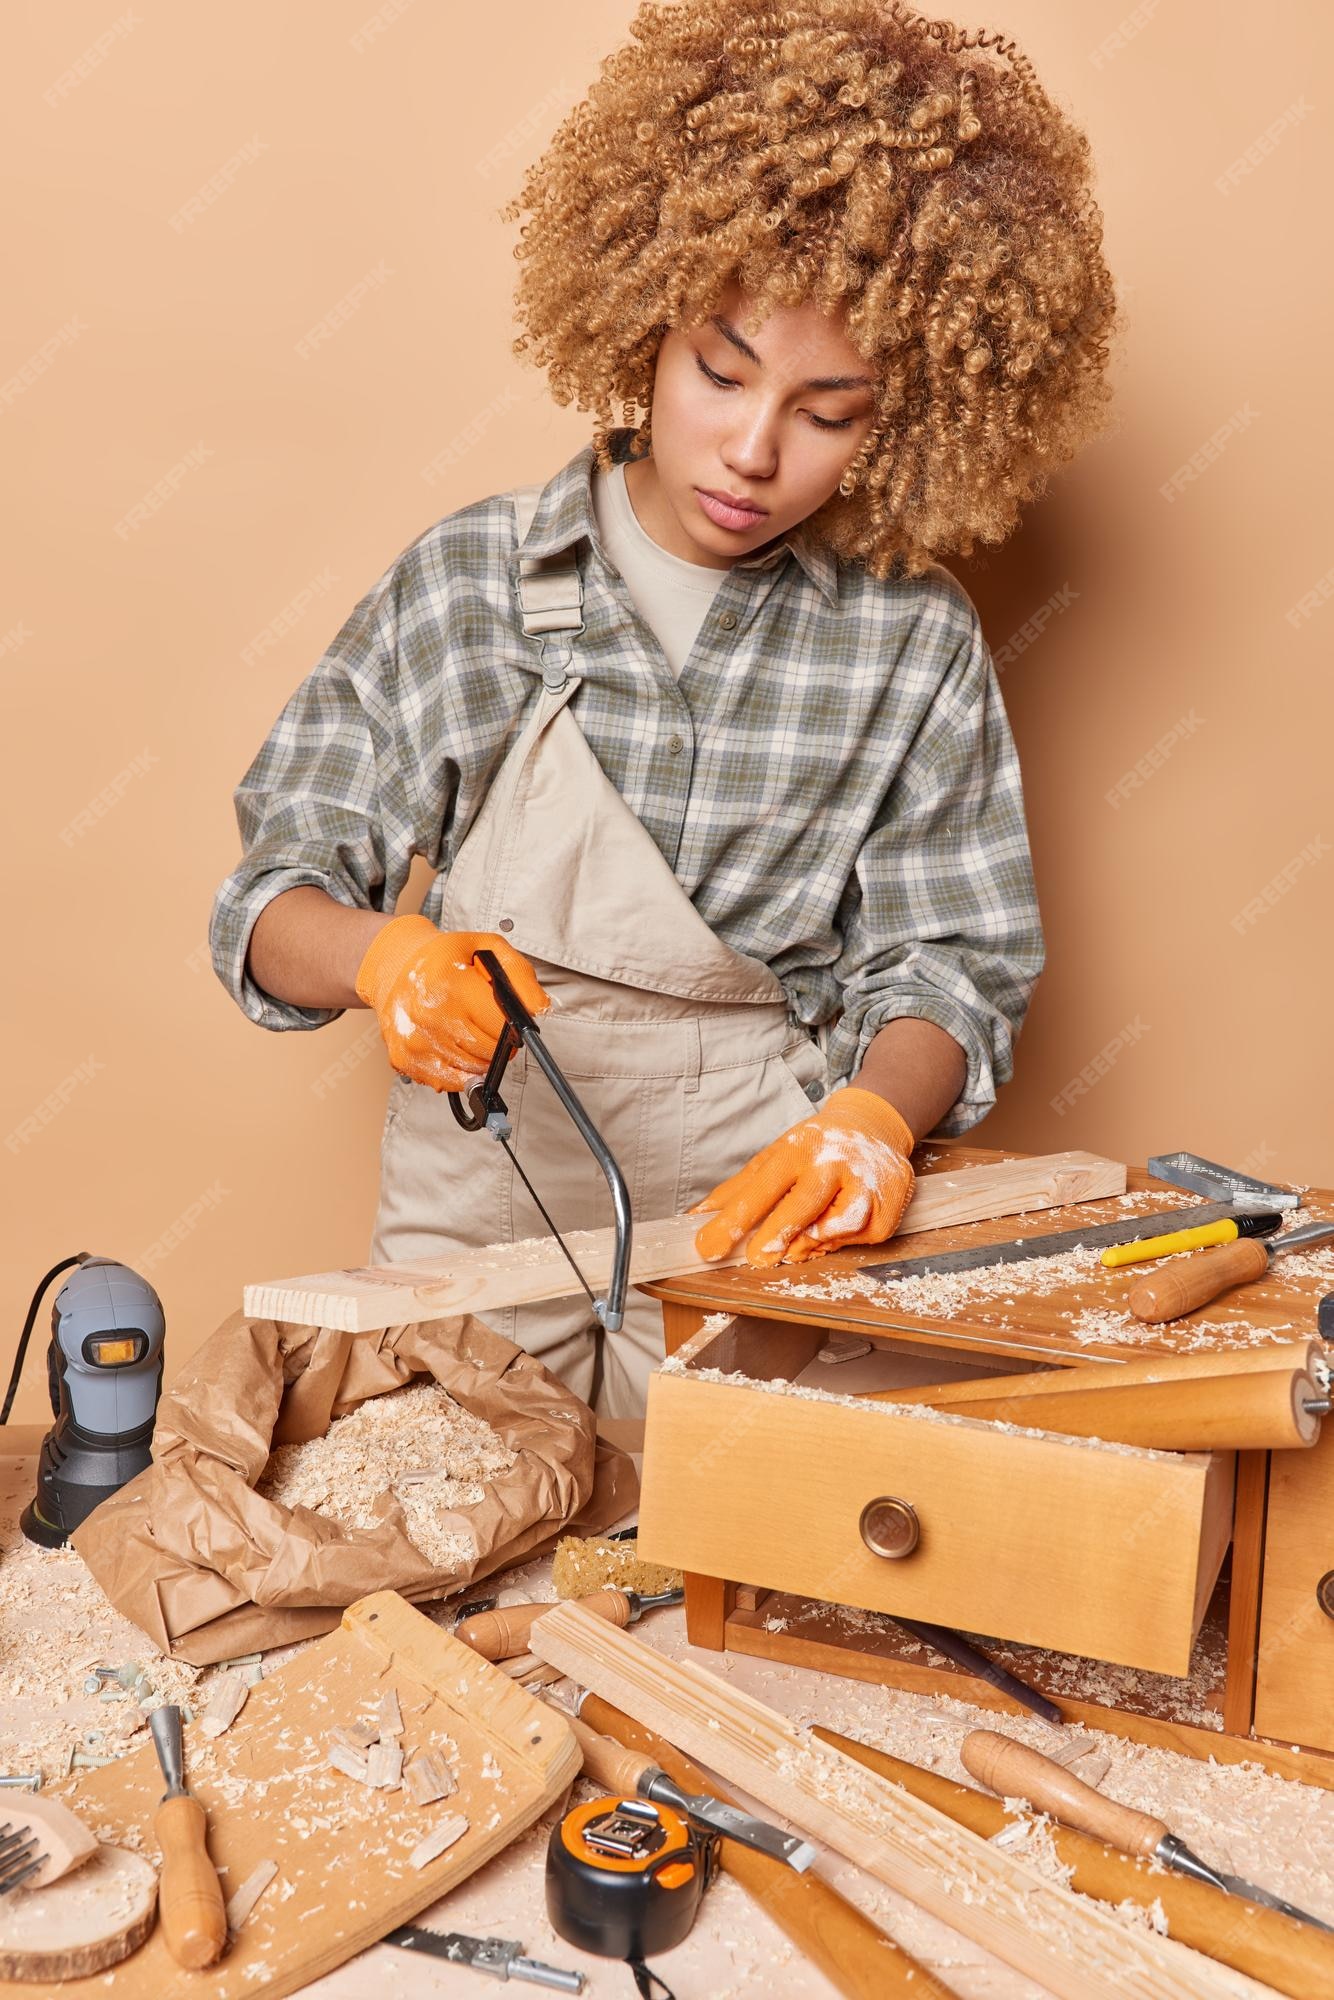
point(344, 1877)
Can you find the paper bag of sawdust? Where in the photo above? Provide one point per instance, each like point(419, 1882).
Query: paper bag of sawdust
point(200, 1551)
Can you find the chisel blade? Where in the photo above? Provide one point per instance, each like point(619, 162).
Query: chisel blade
point(731, 1822)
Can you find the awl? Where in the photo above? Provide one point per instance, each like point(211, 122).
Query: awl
point(1017, 1772)
point(503, 1633)
point(632, 1773)
point(194, 1916)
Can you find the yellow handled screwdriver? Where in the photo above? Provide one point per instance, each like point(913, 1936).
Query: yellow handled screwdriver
point(1262, 1223)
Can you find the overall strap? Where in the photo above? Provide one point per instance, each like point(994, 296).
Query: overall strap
point(551, 593)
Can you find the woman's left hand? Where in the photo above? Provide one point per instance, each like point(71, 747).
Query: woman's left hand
point(839, 1177)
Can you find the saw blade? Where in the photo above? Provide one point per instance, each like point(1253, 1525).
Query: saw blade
point(1020, 1250)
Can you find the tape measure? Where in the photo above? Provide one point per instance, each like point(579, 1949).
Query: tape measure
point(625, 1878)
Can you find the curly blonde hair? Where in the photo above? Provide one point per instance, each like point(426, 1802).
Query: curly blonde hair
point(896, 171)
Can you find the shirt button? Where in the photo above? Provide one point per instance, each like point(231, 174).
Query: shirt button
point(727, 619)
point(676, 744)
point(815, 1091)
point(506, 924)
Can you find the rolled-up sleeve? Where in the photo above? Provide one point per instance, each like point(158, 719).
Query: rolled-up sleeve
point(940, 920)
point(324, 802)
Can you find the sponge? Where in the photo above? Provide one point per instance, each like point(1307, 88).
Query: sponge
point(579, 1567)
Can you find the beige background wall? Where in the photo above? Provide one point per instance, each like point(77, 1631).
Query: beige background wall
point(256, 340)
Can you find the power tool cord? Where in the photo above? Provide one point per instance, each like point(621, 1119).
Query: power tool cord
point(28, 1324)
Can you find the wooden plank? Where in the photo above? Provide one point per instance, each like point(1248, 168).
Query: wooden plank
point(1243, 1627)
point(344, 1853)
point(1070, 1945)
point(1294, 1686)
point(362, 1299)
point(1051, 1541)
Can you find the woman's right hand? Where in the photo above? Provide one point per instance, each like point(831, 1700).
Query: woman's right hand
point(438, 1012)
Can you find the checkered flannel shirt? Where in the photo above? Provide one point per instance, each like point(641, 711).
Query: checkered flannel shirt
point(832, 780)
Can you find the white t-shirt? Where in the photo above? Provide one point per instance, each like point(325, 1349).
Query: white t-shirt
point(670, 594)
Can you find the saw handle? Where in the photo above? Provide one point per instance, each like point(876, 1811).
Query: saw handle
point(1016, 1772)
point(189, 1898)
point(503, 1634)
point(1188, 1282)
point(609, 1762)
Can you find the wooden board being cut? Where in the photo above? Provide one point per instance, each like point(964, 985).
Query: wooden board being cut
point(343, 1852)
point(1071, 1945)
point(505, 1274)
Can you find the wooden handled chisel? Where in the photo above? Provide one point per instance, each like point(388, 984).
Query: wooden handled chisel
point(633, 1774)
point(1179, 1287)
point(1016, 1772)
point(503, 1633)
point(194, 1916)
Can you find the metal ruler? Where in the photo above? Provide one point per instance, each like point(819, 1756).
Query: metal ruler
point(1021, 1249)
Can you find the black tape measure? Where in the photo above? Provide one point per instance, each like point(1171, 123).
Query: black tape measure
point(625, 1878)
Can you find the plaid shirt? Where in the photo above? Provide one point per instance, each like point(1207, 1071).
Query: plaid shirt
point(832, 780)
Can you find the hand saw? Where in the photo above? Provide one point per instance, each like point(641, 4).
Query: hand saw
point(483, 1108)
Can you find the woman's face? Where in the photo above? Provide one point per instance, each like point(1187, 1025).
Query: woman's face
point(742, 416)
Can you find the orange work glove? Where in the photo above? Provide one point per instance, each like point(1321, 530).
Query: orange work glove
point(839, 1177)
point(438, 1011)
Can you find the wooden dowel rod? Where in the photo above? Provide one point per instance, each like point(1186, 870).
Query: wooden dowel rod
point(1289, 1356)
point(1255, 1412)
point(1292, 1957)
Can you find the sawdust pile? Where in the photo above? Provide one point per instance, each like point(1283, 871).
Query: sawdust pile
point(415, 1443)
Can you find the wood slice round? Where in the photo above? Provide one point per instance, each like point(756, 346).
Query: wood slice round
point(89, 1920)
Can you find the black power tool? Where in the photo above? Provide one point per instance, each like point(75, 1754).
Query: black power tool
point(104, 1365)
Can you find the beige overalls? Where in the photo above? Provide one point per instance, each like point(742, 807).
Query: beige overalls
point(682, 1050)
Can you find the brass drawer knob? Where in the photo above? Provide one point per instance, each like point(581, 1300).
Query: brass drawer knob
point(890, 1527)
point(1324, 1591)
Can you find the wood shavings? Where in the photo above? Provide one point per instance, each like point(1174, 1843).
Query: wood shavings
point(389, 1716)
point(427, 1777)
point(358, 1736)
point(384, 1765)
point(243, 1901)
point(444, 1836)
point(226, 1699)
point(368, 1455)
point(56, 1622)
point(350, 1762)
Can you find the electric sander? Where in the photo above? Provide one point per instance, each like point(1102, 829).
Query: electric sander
point(104, 1366)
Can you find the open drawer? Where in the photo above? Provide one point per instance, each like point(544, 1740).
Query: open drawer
point(1099, 1549)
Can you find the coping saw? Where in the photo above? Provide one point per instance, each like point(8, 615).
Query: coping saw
point(483, 1107)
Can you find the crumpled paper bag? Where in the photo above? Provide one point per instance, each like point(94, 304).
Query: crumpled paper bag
point(208, 1570)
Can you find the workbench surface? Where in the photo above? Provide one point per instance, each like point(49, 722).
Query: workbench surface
point(1274, 1831)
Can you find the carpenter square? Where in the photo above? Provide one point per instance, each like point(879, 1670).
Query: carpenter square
point(1019, 1250)
point(1197, 1176)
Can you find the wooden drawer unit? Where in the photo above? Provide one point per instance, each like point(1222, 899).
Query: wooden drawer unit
point(1057, 1542)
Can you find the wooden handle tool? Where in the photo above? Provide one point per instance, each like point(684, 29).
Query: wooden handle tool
point(1188, 1282)
point(634, 1773)
point(1015, 1771)
point(859, 1959)
point(1292, 1957)
point(1179, 1287)
point(190, 1904)
point(503, 1634)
